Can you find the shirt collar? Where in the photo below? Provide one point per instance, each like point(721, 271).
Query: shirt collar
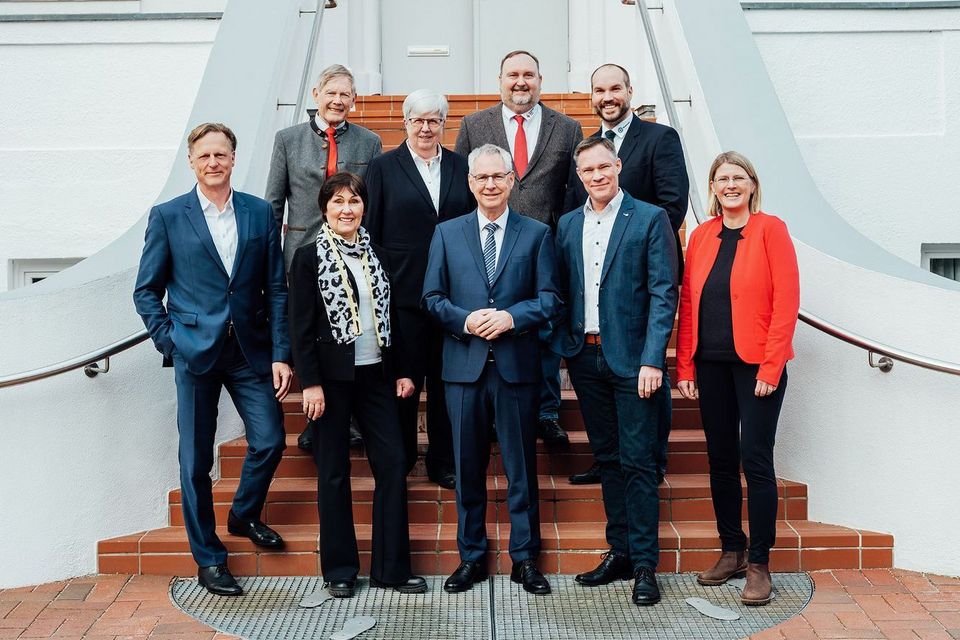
point(612, 207)
point(500, 222)
point(324, 126)
point(621, 129)
point(205, 204)
point(510, 114)
point(428, 162)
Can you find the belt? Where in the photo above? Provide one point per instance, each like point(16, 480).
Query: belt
point(490, 357)
point(591, 338)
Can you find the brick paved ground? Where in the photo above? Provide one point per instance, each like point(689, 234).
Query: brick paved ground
point(880, 603)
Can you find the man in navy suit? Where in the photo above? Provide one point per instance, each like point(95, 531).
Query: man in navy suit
point(653, 171)
point(216, 254)
point(616, 265)
point(490, 284)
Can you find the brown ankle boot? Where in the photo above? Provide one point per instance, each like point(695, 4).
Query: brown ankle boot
point(732, 564)
point(758, 587)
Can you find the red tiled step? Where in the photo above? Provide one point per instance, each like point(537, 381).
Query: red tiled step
point(567, 548)
point(686, 413)
point(682, 497)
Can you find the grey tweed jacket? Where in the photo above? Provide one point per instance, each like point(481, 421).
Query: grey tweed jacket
point(540, 192)
point(298, 169)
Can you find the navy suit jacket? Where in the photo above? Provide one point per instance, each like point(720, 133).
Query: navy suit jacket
point(653, 171)
point(638, 291)
point(524, 285)
point(180, 260)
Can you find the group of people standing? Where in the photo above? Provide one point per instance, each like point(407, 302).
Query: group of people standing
point(471, 273)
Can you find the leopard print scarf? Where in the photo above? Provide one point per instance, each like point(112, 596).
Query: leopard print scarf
point(340, 300)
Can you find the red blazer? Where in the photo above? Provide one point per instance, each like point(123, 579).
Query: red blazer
point(764, 292)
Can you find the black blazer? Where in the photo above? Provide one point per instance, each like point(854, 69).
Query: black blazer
point(316, 356)
point(400, 216)
point(653, 171)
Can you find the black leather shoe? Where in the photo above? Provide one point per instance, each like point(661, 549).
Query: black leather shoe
point(466, 575)
point(526, 573)
point(614, 566)
point(356, 440)
point(590, 476)
point(414, 584)
point(305, 440)
point(661, 474)
point(646, 591)
point(341, 588)
point(446, 478)
point(550, 431)
point(259, 533)
point(219, 581)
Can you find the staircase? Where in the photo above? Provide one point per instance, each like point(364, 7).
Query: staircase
point(572, 518)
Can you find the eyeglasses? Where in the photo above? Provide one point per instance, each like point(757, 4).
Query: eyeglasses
point(738, 181)
point(433, 123)
point(498, 178)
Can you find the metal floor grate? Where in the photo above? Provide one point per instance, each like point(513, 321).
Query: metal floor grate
point(494, 610)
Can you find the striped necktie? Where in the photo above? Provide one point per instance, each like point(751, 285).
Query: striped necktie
point(490, 250)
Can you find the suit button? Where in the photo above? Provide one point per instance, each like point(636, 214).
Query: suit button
point(579, 325)
point(736, 297)
point(490, 300)
point(231, 291)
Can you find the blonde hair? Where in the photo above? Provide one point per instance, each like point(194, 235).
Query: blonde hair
point(210, 127)
point(732, 157)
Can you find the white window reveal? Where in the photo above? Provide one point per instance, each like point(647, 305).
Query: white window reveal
point(941, 258)
point(26, 271)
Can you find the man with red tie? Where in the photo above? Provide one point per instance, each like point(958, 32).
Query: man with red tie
point(305, 154)
point(541, 142)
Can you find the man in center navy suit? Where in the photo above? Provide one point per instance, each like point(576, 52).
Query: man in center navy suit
point(215, 253)
point(653, 171)
point(490, 284)
point(616, 265)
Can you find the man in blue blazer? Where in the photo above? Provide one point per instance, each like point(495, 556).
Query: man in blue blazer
point(616, 265)
point(490, 284)
point(653, 171)
point(216, 254)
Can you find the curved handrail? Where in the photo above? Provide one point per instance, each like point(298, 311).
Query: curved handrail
point(833, 330)
point(75, 363)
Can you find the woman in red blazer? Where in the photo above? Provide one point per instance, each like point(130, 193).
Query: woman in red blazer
point(738, 312)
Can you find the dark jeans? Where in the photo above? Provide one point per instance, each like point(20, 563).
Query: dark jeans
point(371, 398)
point(741, 429)
point(197, 400)
point(622, 428)
point(512, 408)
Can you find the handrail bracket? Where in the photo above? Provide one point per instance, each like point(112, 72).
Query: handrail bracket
point(94, 368)
point(884, 363)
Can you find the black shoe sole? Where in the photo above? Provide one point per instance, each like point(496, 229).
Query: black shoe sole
point(264, 545)
point(646, 603)
point(531, 589)
point(376, 584)
point(584, 482)
point(583, 583)
point(476, 580)
point(340, 593)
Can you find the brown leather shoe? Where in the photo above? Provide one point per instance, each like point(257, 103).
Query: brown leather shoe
point(732, 564)
point(759, 586)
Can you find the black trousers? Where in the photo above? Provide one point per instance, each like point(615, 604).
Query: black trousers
point(741, 429)
point(439, 432)
point(371, 398)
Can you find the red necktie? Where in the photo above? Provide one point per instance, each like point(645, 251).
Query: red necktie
point(332, 152)
point(520, 148)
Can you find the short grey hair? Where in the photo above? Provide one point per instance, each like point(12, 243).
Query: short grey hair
point(423, 101)
point(336, 71)
point(490, 150)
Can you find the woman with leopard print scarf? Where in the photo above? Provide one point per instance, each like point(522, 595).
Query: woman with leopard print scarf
point(349, 361)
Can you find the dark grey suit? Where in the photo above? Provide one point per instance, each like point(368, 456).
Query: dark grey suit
point(540, 192)
point(298, 169)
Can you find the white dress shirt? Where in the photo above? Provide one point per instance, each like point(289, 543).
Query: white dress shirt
point(366, 350)
point(531, 127)
point(430, 172)
point(322, 124)
point(223, 228)
point(620, 131)
point(597, 226)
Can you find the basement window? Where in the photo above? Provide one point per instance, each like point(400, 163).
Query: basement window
point(941, 258)
point(27, 271)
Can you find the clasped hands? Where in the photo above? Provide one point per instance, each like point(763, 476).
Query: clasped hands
point(489, 324)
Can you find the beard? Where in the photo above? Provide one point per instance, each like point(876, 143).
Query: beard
point(622, 110)
point(519, 100)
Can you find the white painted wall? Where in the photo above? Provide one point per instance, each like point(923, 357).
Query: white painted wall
point(92, 114)
point(873, 98)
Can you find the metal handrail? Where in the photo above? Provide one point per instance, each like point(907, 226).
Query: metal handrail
point(888, 354)
point(88, 361)
point(308, 62)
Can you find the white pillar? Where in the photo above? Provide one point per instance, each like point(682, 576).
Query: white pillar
point(363, 46)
